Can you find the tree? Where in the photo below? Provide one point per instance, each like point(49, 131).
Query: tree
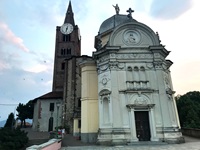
point(12, 139)
point(29, 109)
point(10, 121)
point(25, 112)
point(21, 109)
point(188, 106)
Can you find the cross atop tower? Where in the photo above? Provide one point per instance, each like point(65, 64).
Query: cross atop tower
point(130, 11)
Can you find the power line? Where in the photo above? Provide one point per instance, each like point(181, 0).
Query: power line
point(9, 104)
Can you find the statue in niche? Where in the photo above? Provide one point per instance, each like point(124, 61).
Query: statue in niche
point(116, 9)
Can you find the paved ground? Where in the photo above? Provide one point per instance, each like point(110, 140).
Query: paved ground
point(69, 143)
point(36, 138)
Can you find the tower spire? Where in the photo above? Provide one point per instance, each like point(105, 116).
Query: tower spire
point(69, 18)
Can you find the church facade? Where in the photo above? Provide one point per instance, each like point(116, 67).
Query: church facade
point(134, 94)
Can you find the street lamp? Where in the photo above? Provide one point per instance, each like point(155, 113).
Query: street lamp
point(58, 105)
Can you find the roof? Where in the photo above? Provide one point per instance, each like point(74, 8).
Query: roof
point(50, 95)
point(114, 21)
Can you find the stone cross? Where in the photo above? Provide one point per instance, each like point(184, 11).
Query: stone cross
point(130, 12)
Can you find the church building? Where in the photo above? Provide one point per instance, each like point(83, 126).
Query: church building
point(127, 92)
point(62, 106)
point(122, 94)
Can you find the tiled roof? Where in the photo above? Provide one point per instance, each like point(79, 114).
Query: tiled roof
point(50, 95)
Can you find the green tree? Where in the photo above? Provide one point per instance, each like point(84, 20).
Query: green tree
point(12, 139)
point(29, 109)
point(10, 121)
point(188, 106)
point(21, 109)
point(25, 112)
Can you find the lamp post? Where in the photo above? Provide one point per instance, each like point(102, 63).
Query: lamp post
point(58, 105)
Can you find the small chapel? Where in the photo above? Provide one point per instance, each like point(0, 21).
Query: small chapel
point(121, 94)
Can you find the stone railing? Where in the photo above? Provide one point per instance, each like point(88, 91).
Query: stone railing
point(50, 145)
point(191, 132)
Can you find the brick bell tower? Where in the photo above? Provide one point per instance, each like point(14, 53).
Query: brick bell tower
point(68, 44)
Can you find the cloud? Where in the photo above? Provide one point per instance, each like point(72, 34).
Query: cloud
point(9, 38)
point(186, 76)
point(169, 9)
point(23, 85)
point(18, 85)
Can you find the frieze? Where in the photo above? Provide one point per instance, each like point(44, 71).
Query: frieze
point(103, 67)
point(149, 65)
point(124, 56)
point(112, 55)
point(130, 56)
point(103, 59)
point(116, 65)
point(158, 65)
point(135, 106)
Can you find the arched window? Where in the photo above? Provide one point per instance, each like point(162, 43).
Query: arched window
point(136, 74)
point(63, 51)
point(129, 73)
point(106, 116)
point(142, 74)
point(63, 66)
point(66, 38)
point(68, 51)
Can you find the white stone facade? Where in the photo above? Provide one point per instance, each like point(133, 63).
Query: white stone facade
point(134, 82)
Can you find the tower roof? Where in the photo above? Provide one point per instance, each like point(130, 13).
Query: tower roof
point(69, 18)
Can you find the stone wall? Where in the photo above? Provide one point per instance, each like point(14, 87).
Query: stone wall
point(50, 145)
point(191, 132)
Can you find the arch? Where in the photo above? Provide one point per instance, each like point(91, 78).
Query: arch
point(142, 74)
point(143, 35)
point(104, 92)
point(129, 73)
point(139, 99)
point(136, 73)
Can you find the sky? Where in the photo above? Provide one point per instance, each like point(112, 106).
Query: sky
point(27, 41)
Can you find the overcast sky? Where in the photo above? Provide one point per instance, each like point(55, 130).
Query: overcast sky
point(27, 40)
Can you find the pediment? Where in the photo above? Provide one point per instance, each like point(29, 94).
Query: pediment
point(133, 34)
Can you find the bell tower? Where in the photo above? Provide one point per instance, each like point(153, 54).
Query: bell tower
point(68, 44)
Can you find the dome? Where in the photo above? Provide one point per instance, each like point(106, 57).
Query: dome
point(114, 21)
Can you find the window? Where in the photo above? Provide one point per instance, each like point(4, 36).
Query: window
point(51, 108)
point(142, 74)
point(63, 66)
point(79, 102)
point(136, 74)
point(79, 123)
point(63, 51)
point(66, 38)
point(68, 51)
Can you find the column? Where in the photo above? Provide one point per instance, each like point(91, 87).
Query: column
point(152, 125)
point(132, 125)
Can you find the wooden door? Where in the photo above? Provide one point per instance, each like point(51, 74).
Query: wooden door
point(50, 124)
point(142, 125)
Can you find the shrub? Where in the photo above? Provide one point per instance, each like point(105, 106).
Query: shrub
point(12, 139)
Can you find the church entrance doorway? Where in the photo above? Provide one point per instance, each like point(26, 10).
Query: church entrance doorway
point(142, 125)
